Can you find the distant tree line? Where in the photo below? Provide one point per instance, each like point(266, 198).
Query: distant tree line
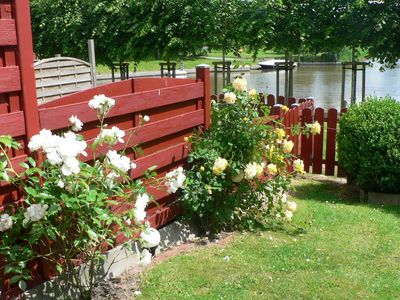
point(135, 30)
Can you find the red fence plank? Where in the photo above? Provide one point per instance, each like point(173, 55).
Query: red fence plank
point(306, 142)
point(270, 100)
point(331, 142)
point(156, 130)
point(341, 172)
point(8, 35)
point(9, 79)
point(57, 117)
point(25, 50)
point(161, 158)
point(12, 124)
point(147, 84)
point(318, 142)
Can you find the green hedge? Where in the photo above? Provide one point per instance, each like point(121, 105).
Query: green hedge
point(369, 144)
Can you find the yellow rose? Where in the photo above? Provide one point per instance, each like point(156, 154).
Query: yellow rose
point(291, 206)
point(288, 215)
point(272, 169)
point(316, 128)
point(220, 165)
point(298, 166)
point(240, 84)
point(253, 93)
point(230, 98)
point(285, 108)
point(202, 169)
point(280, 133)
point(287, 146)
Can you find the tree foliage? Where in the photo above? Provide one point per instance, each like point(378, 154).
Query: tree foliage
point(170, 29)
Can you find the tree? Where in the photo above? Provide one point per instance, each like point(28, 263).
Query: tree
point(64, 26)
point(168, 29)
point(384, 42)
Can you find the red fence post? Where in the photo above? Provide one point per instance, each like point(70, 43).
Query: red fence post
point(306, 142)
point(318, 142)
point(331, 142)
point(27, 72)
point(203, 74)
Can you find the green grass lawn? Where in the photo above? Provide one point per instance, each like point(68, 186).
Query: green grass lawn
point(346, 250)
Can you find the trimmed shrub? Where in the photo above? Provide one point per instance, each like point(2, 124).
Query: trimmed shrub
point(369, 144)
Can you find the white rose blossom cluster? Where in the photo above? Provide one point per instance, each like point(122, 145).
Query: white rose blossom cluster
point(175, 180)
point(5, 222)
point(35, 212)
point(60, 150)
point(140, 208)
point(120, 162)
point(101, 104)
point(111, 136)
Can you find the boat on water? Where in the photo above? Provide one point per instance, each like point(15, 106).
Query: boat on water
point(270, 64)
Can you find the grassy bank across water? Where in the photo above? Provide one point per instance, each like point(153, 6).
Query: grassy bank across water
point(345, 250)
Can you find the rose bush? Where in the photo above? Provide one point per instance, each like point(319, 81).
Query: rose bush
point(69, 209)
point(239, 174)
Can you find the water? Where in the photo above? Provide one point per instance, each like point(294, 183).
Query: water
point(323, 83)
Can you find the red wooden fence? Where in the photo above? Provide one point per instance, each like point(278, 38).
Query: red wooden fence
point(175, 108)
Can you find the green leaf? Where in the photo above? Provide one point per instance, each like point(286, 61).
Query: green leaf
point(15, 279)
point(22, 285)
point(32, 161)
point(31, 191)
point(6, 140)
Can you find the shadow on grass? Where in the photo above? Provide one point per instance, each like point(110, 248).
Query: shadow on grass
point(325, 190)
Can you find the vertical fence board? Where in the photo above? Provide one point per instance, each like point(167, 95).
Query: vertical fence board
point(331, 142)
point(270, 100)
point(306, 142)
point(295, 138)
point(341, 172)
point(281, 100)
point(318, 142)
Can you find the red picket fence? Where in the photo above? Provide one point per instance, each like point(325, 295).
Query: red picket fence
point(318, 152)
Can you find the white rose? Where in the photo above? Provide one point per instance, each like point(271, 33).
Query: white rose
point(76, 123)
point(146, 118)
point(120, 162)
point(251, 170)
point(5, 222)
point(35, 212)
